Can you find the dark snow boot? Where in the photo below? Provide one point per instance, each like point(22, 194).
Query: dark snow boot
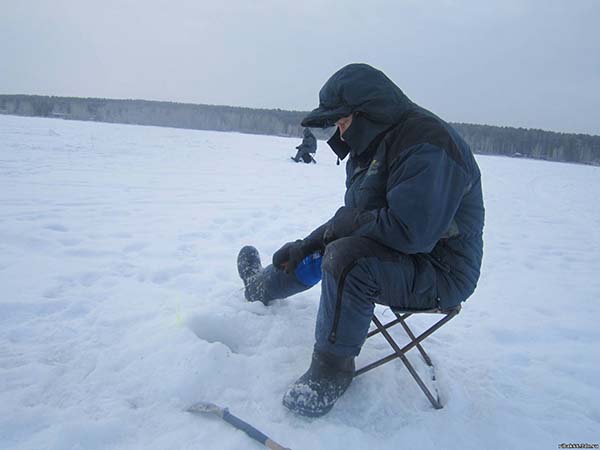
point(248, 263)
point(315, 392)
point(250, 271)
point(265, 284)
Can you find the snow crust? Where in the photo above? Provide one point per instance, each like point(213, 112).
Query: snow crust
point(120, 303)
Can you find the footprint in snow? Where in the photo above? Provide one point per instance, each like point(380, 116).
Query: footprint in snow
point(135, 247)
point(166, 275)
point(56, 227)
point(197, 236)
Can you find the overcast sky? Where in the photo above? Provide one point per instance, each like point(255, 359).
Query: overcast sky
point(527, 63)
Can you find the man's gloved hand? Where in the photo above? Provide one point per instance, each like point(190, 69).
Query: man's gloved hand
point(290, 255)
point(345, 222)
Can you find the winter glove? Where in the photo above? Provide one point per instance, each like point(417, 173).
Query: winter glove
point(291, 254)
point(345, 222)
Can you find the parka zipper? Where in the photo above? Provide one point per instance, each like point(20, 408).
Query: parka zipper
point(338, 303)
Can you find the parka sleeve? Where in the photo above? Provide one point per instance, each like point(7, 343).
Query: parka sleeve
point(424, 191)
point(315, 240)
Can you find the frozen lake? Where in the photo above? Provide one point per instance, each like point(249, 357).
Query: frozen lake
point(121, 305)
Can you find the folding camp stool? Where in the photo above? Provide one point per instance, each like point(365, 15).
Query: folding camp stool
point(401, 316)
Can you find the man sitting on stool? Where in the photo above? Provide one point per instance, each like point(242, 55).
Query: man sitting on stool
point(409, 235)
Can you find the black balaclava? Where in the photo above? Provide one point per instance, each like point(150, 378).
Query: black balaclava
point(359, 89)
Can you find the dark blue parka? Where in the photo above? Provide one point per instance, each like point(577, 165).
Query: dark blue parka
point(414, 174)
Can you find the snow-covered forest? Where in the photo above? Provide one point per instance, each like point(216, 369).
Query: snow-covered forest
point(485, 139)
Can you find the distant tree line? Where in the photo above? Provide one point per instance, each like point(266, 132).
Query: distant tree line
point(484, 139)
point(531, 143)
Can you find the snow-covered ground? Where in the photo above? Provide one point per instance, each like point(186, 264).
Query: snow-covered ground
point(120, 303)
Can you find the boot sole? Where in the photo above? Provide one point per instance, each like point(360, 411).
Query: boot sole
point(307, 412)
point(242, 257)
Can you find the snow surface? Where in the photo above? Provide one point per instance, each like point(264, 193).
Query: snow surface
point(121, 303)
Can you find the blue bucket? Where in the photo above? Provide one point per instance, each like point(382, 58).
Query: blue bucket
point(309, 271)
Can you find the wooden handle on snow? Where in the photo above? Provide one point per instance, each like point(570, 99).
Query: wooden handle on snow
point(251, 431)
point(274, 445)
point(223, 413)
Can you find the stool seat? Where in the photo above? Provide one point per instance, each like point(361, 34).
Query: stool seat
point(454, 309)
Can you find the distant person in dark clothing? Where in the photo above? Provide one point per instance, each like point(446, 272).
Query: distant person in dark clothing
point(409, 234)
point(308, 146)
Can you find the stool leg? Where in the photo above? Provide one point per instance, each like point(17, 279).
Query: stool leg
point(434, 401)
point(413, 338)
